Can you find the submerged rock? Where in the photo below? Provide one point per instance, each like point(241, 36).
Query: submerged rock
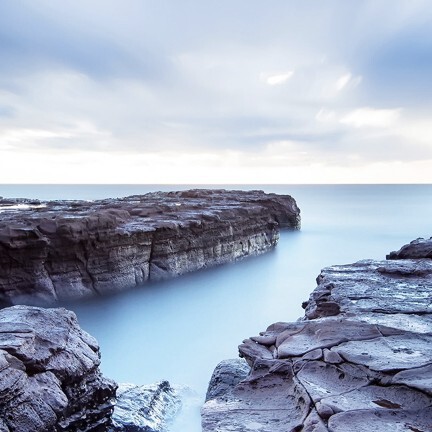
point(147, 408)
point(360, 359)
point(61, 250)
point(49, 373)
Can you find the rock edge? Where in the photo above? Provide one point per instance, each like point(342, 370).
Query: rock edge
point(360, 359)
point(65, 250)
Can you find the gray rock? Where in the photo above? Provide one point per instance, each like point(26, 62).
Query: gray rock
point(362, 355)
point(226, 376)
point(63, 250)
point(388, 420)
point(266, 402)
point(49, 375)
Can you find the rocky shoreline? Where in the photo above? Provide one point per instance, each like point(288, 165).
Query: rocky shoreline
point(49, 373)
point(66, 250)
point(360, 359)
point(50, 380)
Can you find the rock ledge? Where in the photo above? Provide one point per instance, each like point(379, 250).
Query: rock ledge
point(62, 250)
point(360, 359)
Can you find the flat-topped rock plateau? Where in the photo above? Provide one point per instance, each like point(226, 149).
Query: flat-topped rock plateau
point(62, 250)
point(360, 359)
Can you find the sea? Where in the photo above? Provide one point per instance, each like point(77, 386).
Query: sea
point(179, 330)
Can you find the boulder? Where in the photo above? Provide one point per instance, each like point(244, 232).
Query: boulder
point(419, 248)
point(49, 373)
point(145, 408)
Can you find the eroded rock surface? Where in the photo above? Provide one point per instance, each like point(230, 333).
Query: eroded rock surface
point(62, 250)
point(49, 375)
point(360, 359)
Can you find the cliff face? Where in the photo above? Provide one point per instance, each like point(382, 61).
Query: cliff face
point(361, 359)
point(63, 250)
point(49, 376)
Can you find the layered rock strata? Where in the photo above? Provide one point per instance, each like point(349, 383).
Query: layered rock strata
point(62, 250)
point(49, 375)
point(360, 360)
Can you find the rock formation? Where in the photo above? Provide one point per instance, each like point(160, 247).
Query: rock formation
point(360, 359)
point(62, 250)
point(146, 408)
point(49, 376)
point(419, 248)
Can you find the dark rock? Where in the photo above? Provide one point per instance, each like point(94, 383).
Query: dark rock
point(420, 248)
point(49, 375)
point(62, 250)
point(362, 355)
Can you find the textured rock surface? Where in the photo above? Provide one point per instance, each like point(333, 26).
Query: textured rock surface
point(227, 374)
point(63, 250)
point(419, 248)
point(360, 360)
point(49, 376)
point(147, 408)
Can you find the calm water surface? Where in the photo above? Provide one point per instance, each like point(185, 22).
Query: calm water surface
point(180, 329)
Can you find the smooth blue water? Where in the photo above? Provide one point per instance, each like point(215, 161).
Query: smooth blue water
point(180, 329)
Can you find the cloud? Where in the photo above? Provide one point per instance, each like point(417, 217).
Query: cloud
point(347, 80)
point(278, 79)
point(371, 117)
point(191, 85)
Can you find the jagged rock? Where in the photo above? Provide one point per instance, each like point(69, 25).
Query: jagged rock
point(147, 408)
point(228, 373)
point(374, 288)
point(362, 355)
point(49, 375)
point(62, 250)
point(261, 401)
point(419, 248)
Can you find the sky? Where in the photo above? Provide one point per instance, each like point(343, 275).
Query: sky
point(227, 91)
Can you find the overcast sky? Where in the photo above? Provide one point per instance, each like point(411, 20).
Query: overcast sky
point(226, 91)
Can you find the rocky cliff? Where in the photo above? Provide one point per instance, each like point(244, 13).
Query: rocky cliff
point(50, 380)
point(360, 359)
point(49, 375)
point(61, 250)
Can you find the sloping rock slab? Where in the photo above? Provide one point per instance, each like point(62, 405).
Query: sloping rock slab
point(263, 402)
point(373, 287)
point(49, 375)
point(360, 360)
point(62, 250)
